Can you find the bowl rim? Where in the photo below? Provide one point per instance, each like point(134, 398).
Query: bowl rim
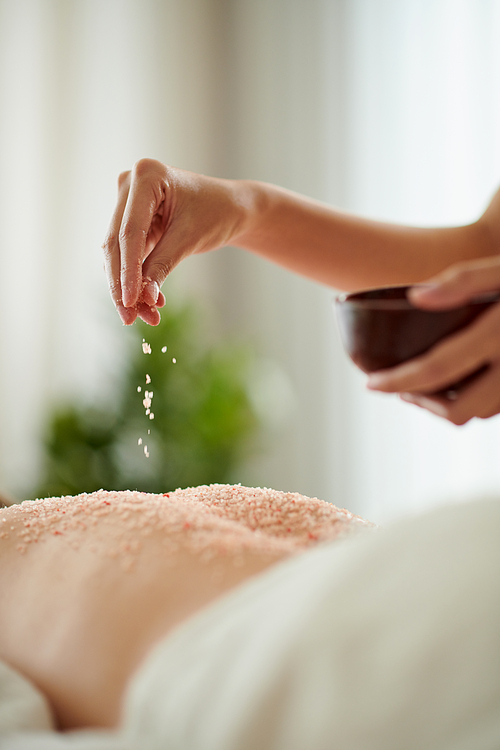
point(349, 298)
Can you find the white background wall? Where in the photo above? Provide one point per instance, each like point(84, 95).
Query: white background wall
point(385, 107)
point(424, 85)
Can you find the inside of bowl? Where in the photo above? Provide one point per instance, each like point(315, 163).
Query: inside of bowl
point(387, 298)
point(386, 293)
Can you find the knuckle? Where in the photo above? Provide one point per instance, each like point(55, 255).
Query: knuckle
point(457, 418)
point(488, 410)
point(129, 231)
point(160, 270)
point(489, 413)
point(115, 289)
point(144, 167)
point(123, 177)
point(108, 244)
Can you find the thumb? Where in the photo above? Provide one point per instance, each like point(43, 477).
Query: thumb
point(458, 284)
point(168, 253)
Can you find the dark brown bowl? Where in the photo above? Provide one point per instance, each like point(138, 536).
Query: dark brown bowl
point(381, 328)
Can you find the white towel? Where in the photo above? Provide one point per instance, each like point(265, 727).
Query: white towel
point(22, 706)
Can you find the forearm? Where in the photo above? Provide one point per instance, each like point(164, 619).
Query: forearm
point(348, 252)
point(164, 215)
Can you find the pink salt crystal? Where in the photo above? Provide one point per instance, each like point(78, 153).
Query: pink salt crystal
point(210, 521)
point(163, 349)
point(139, 389)
point(174, 360)
point(148, 379)
point(146, 348)
point(151, 416)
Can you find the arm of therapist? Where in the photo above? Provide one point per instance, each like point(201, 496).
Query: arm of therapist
point(164, 214)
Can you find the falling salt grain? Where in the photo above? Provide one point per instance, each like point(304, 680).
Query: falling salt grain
point(139, 389)
point(151, 416)
point(148, 379)
point(163, 349)
point(139, 442)
point(146, 348)
point(174, 360)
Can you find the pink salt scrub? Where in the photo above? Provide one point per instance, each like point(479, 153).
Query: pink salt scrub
point(209, 521)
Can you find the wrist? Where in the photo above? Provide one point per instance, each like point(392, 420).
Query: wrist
point(252, 201)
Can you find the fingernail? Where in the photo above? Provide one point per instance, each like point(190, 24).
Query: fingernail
point(425, 290)
point(151, 292)
point(407, 397)
point(127, 314)
point(374, 381)
point(433, 293)
point(435, 408)
point(129, 297)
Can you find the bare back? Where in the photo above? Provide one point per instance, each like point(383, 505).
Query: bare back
point(89, 584)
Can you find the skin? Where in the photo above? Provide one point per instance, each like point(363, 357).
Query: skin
point(83, 623)
point(164, 214)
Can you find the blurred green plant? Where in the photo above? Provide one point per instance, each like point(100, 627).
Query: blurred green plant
point(203, 427)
